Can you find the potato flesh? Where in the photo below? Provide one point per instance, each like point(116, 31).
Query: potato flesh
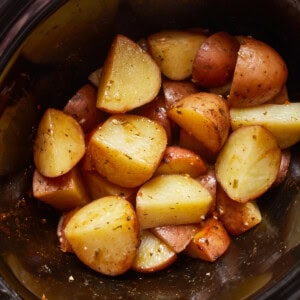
point(127, 149)
point(153, 254)
point(130, 77)
point(282, 120)
point(171, 200)
point(104, 235)
point(174, 51)
point(205, 116)
point(59, 143)
point(248, 163)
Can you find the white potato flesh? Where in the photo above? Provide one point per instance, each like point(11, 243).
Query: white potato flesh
point(59, 143)
point(127, 149)
point(129, 79)
point(153, 254)
point(104, 235)
point(172, 200)
point(174, 51)
point(248, 163)
point(283, 120)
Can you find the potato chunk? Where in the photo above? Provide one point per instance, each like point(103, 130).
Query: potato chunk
point(104, 235)
point(172, 200)
point(248, 163)
point(282, 120)
point(130, 77)
point(210, 242)
point(64, 192)
point(153, 254)
point(127, 149)
point(59, 143)
point(205, 116)
point(259, 75)
point(174, 51)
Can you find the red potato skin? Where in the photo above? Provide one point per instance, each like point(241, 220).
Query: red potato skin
point(284, 166)
point(177, 237)
point(176, 90)
point(82, 107)
point(215, 60)
point(259, 75)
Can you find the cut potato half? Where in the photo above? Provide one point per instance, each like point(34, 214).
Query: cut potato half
point(130, 77)
point(172, 200)
point(153, 254)
point(282, 120)
point(174, 51)
point(127, 149)
point(59, 143)
point(104, 235)
point(248, 163)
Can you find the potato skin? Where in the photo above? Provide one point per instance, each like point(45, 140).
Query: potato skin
point(215, 60)
point(259, 75)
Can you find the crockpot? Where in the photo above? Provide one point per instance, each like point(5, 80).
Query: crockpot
point(47, 50)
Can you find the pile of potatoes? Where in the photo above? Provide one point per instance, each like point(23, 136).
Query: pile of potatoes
point(166, 149)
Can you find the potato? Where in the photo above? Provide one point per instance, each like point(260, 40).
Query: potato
point(177, 237)
point(215, 60)
point(153, 254)
point(127, 149)
point(171, 200)
point(248, 163)
point(104, 235)
point(281, 98)
point(174, 51)
point(95, 76)
point(187, 141)
point(178, 160)
point(82, 107)
point(130, 77)
point(156, 110)
point(223, 90)
point(64, 192)
point(59, 144)
point(282, 120)
point(259, 75)
point(98, 187)
point(236, 217)
point(284, 166)
point(210, 242)
point(176, 90)
point(205, 116)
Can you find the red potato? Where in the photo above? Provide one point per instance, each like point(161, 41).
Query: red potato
point(82, 107)
point(153, 254)
point(59, 143)
point(177, 237)
point(174, 51)
point(259, 75)
point(205, 116)
point(284, 166)
point(178, 160)
point(281, 98)
point(248, 164)
point(215, 60)
point(189, 142)
point(156, 110)
point(104, 235)
point(176, 90)
point(127, 149)
point(95, 76)
point(64, 192)
point(98, 187)
point(210, 242)
point(130, 77)
point(236, 217)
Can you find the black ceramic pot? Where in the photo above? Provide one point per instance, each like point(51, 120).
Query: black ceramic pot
point(47, 49)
